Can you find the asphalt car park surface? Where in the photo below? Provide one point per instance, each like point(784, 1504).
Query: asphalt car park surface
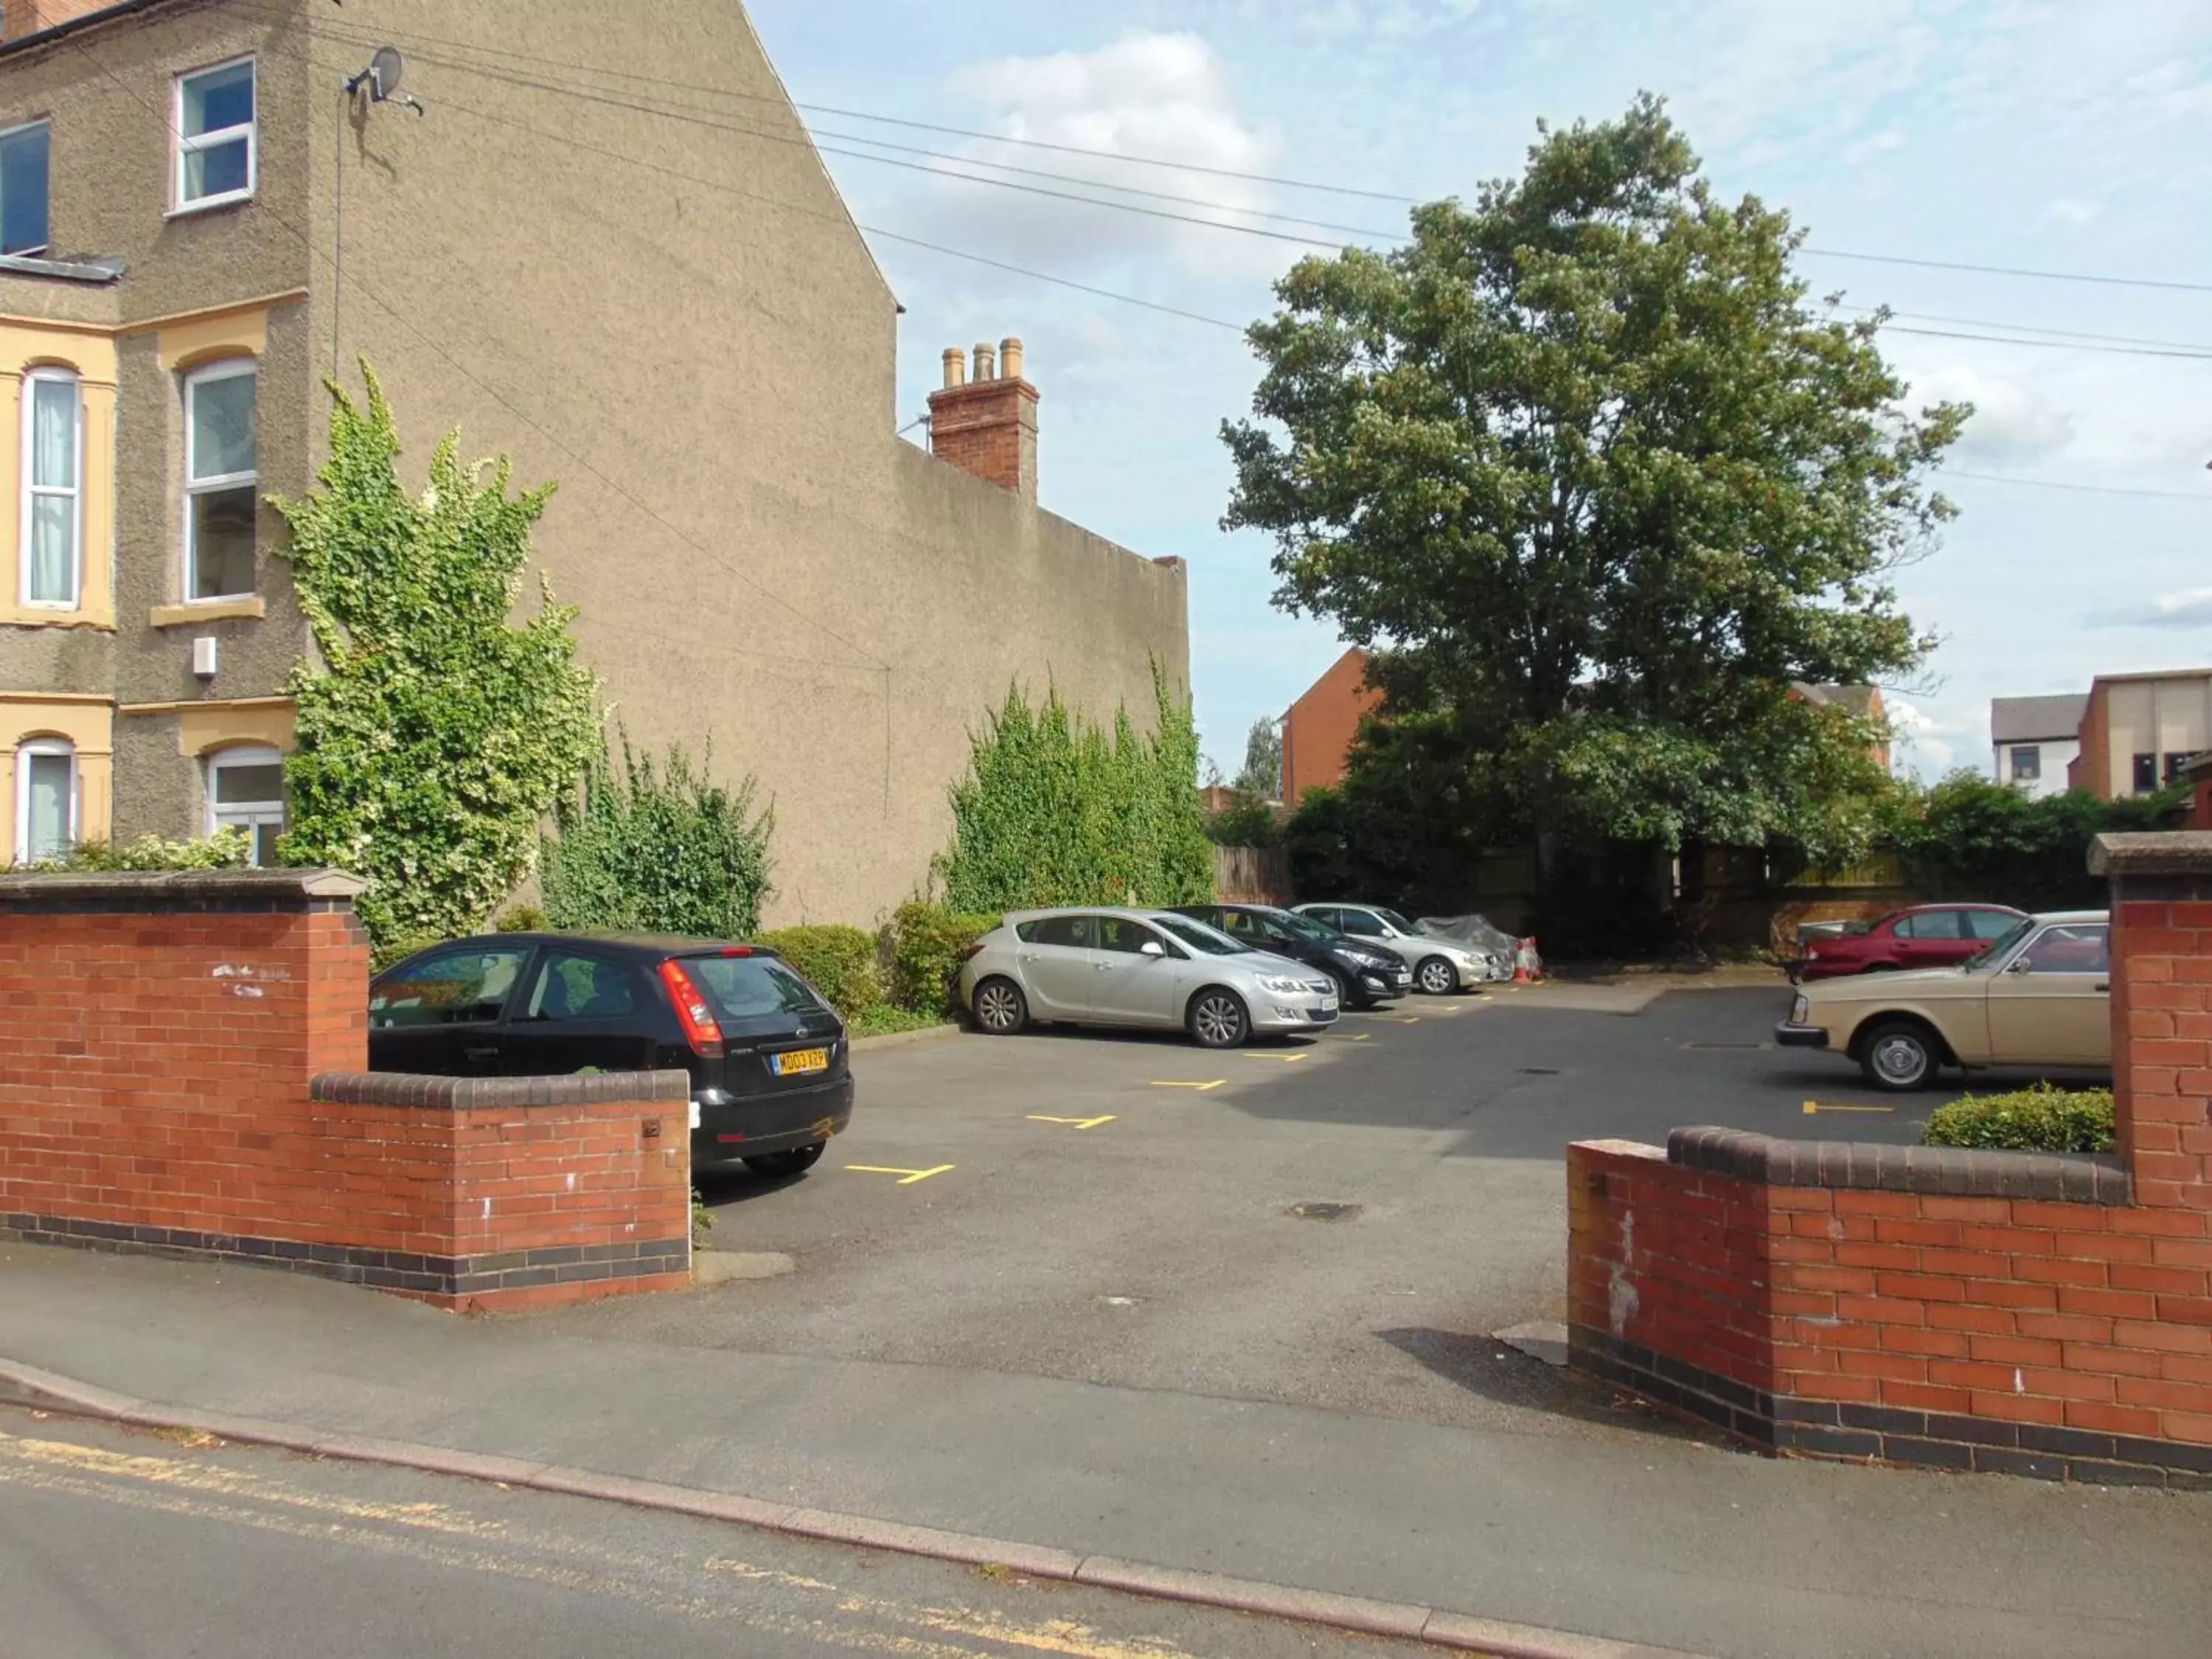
point(1340, 1222)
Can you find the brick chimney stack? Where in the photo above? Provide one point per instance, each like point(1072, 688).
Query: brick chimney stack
point(986, 423)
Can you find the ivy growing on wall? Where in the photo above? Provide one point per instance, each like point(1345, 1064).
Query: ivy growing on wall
point(660, 848)
point(1053, 811)
point(433, 733)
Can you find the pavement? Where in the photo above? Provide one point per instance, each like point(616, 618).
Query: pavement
point(245, 1553)
point(1040, 1297)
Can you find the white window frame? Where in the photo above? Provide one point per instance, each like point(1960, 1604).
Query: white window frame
point(241, 814)
point(228, 369)
point(75, 493)
point(6, 133)
point(192, 145)
point(24, 752)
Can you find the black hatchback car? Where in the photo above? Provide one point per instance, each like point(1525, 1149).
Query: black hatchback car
point(770, 1081)
point(1365, 974)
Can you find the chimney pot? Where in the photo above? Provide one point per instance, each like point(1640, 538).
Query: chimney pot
point(1010, 358)
point(987, 361)
point(956, 366)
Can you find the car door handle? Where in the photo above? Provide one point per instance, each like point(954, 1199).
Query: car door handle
point(2103, 984)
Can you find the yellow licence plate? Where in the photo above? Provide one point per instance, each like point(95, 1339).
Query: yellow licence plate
point(800, 1060)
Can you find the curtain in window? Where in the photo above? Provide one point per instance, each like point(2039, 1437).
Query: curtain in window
point(53, 485)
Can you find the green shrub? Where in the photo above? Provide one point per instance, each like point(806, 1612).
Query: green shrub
point(2040, 1118)
point(1246, 821)
point(436, 729)
point(1055, 809)
point(522, 919)
point(924, 944)
point(658, 849)
point(227, 849)
point(884, 1019)
point(839, 962)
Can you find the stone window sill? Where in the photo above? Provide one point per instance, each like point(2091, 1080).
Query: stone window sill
point(252, 609)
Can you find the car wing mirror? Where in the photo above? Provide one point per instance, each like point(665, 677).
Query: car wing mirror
point(1152, 947)
point(2018, 965)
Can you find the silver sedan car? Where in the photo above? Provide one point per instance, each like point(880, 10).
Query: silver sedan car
point(1147, 967)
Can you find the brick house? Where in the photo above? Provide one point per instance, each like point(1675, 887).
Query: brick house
point(672, 313)
point(1320, 727)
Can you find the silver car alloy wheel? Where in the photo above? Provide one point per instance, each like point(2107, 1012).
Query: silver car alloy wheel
point(1901, 1058)
point(1438, 976)
point(1219, 1020)
point(997, 1008)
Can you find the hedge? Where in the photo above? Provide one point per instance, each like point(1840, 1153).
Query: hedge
point(839, 962)
point(924, 945)
point(2040, 1118)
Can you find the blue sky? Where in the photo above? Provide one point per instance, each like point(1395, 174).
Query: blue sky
point(2043, 134)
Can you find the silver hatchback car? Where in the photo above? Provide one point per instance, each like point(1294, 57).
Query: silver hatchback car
point(1146, 967)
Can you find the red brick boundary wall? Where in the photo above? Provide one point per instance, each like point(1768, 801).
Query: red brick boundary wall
point(180, 1073)
point(2033, 1315)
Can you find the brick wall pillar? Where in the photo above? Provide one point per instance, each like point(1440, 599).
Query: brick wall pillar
point(2161, 887)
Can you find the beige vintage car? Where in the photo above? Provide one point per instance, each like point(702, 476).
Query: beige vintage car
point(2039, 995)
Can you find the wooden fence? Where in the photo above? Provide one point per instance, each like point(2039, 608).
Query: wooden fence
point(1252, 875)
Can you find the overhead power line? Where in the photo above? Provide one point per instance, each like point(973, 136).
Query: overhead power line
point(360, 36)
point(326, 29)
point(2007, 270)
point(871, 663)
point(2201, 497)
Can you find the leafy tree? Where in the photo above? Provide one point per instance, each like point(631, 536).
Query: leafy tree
point(433, 733)
point(1262, 776)
point(1053, 811)
point(1584, 465)
point(660, 849)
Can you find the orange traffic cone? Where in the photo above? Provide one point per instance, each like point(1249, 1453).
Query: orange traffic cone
point(1527, 966)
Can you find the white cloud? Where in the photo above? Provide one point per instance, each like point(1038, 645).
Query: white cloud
point(2073, 211)
point(2189, 608)
point(2012, 423)
point(1919, 742)
point(1162, 96)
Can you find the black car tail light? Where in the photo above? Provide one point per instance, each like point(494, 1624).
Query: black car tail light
point(701, 1028)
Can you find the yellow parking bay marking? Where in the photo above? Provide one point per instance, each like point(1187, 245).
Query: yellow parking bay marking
point(1351, 1036)
point(1073, 1122)
point(1400, 1019)
point(911, 1176)
point(1287, 1059)
point(1813, 1106)
point(1211, 1084)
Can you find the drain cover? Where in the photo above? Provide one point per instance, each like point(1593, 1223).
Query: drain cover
point(1323, 1212)
point(1539, 1071)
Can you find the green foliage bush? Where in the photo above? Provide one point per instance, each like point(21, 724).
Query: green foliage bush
point(658, 849)
point(839, 962)
point(2040, 1118)
point(924, 945)
point(433, 733)
point(1053, 811)
point(523, 919)
point(1969, 838)
point(227, 849)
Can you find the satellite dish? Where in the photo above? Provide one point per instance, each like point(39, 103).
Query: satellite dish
point(385, 70)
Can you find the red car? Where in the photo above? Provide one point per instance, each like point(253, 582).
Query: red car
point(1926, 936)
